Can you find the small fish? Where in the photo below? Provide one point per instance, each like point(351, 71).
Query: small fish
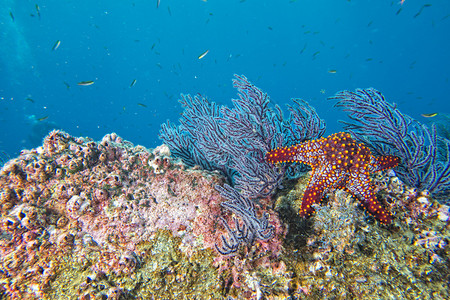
point(12, 16)
point(89, 82)
point(42, 119)
point(56, 45)
point(67, 85)
point(153, 46)
point(398, 11)
point(29, 99)
point(142, 104)
point(203, 54)
point(315, 53)
point(168, 9)
point(429, 115)
point(322, 91)
point(158, 2)
point(332, 71)
point(133, 83)
point(38, 10)
point(304, 48)
point(421, 9)
point(369, 59)
point(270, 28)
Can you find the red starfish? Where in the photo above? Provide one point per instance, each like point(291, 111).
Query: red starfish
point(337, 162)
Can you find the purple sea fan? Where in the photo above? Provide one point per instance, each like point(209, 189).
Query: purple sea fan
point(425, 156)
point(234, 141)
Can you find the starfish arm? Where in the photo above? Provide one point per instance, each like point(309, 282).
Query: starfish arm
point(381, 163)
point(304, 153)
point(321, 179)
point(360, 186)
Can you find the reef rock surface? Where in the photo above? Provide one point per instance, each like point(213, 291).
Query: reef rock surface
point(109, 220)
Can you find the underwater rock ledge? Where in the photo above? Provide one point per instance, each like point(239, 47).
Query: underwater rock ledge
point(109, 220)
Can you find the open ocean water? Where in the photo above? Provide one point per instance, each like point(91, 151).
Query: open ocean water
point(289, 49)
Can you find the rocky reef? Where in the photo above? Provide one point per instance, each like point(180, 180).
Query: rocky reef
point(109, 220)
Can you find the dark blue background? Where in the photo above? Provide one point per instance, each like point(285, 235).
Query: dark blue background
point(271, 42)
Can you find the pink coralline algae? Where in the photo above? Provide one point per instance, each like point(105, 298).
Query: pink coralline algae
point(74, 196)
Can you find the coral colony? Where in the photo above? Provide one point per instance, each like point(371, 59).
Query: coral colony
point(235, 142)
point(239, 203)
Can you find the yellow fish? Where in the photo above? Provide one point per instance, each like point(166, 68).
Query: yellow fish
point(429, 115)
point(38, 10)
point(90, 82)
point(203, 54)
point(42, 119)
point(56, 45)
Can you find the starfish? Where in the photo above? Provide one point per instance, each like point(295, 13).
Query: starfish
point(337, 162)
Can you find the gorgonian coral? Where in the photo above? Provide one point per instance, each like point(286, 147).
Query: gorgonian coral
point(425, 156)
point(235, 140)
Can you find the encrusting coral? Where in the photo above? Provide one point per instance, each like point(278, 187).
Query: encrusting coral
point(342, 253)
point(83, 220)
point(74, 204)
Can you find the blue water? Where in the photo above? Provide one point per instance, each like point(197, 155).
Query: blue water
point(284, 47)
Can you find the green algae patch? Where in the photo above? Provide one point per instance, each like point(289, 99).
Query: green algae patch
point(169, 273)
point(162, 271)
